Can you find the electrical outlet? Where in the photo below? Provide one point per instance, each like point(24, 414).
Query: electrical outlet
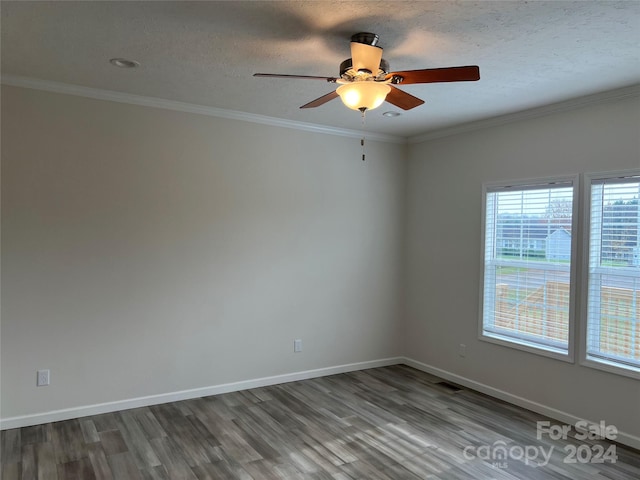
point(43, 378)
point(462, 350)
point(297, 345)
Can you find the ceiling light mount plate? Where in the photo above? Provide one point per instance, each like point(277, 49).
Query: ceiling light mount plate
point(124, 63)
point(391, 114)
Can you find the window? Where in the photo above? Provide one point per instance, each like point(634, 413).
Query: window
point(613, 304)
point(528, 268)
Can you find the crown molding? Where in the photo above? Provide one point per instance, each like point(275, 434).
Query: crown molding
point(113, 96)
point(564, 106)
point(110, 95)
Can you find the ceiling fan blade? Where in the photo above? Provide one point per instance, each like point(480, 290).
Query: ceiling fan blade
point(304, 77)
point(402, 99)
point(434, 75)
point(365, 57)
point(321, 100)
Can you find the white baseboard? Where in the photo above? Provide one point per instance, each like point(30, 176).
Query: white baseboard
point(87, 410)
point(567, 418)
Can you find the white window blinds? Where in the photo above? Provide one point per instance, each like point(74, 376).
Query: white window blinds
point(613, 310)
point(527, 265)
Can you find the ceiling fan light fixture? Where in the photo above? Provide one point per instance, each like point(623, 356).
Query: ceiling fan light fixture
point(363, 95)
point(365, 78)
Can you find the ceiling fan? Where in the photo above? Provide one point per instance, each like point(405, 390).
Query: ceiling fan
point(365, 81)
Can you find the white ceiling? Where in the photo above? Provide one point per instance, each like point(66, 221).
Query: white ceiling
point(530, 53)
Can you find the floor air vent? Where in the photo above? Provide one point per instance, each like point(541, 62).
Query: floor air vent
point(449, 387)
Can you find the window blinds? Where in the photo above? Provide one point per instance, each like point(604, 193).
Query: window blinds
point(613, 305)
point(527, 265)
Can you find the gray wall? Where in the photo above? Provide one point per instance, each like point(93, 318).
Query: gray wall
point(147, 251)
point(443, 238)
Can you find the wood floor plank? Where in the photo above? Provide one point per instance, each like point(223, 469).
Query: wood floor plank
point(68, 441)
point(305, 464)
point(361, 470)
point(44, 462)
point(175, 465)
point(35, 434)
point(262, 469)
point(202, 432)
point(11, 471)
point(149, 423)
point(289, 471)
point(257, 439)
point(137, 443)
point(323, 463)
point(99, 462)
point(155, 473)
point(89, 431)
point(257, 424)
point(191, 440)
point(221, 470)
point(76, 470)
point(124, 466)
point(28, 466)
point(10, 450)
point(219, 407)
point(205, 416)
point(112, 442)
point(236, 447)
point(105, 422)
point(389, 423)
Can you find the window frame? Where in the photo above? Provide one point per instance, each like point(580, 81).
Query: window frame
point(584, 358)
point(535, 348)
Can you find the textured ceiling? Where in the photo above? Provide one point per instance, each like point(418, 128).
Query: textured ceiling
point(530, 53)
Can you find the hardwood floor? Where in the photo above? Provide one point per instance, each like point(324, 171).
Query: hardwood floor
point(389, 423)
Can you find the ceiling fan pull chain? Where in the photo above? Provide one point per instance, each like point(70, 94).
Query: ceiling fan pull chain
point(363, 133)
